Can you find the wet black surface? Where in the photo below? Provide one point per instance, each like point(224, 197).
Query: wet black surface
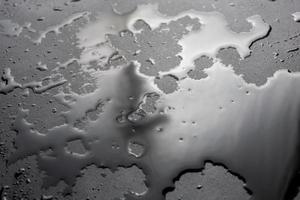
point(112, 127)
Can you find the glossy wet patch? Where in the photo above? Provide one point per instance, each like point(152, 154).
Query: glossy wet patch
point(162, 119)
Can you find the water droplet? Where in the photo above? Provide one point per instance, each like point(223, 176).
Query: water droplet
point(296, 16)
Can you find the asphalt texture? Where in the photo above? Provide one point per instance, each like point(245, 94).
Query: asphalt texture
point(24, 180)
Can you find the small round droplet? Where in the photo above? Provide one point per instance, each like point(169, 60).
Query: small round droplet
point(199, 187)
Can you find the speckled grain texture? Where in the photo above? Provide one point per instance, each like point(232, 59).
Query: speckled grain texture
point(23, 179)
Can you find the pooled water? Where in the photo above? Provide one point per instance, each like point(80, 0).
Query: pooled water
point(252, 130)
point(260, 119)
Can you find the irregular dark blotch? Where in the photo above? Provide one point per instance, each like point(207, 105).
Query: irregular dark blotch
point(211, 182)
point(201, 63)
point(141, 25)
point(136, 149)
point(149, 102)
point(168, 84)
point(102, 183)
point(76, 146)
point(156, 50)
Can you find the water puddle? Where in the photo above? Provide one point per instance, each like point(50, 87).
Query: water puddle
point(251, 130)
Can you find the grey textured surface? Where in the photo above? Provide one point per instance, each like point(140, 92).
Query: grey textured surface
point(23, 179)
